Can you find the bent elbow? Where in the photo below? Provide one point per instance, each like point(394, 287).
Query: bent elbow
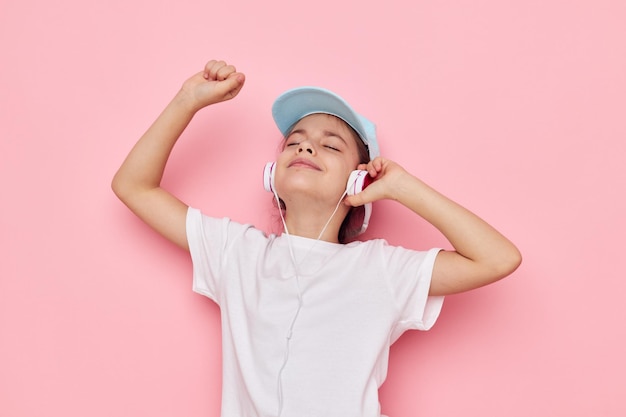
point(122, 188)
point(509, 263)
point(117, 186)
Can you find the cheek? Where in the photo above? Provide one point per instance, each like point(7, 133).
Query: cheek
point(283, 158)
point(352, 161)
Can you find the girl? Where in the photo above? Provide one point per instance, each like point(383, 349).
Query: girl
point(308, 319)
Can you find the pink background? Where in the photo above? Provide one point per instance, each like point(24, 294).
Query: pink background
point(516, 109)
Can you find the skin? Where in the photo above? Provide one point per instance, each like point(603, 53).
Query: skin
point(311, 175)
point(312, 172)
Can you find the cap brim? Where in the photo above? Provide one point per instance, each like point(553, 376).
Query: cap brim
point(294, 104)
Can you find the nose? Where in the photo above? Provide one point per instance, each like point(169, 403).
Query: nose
point(305, 146)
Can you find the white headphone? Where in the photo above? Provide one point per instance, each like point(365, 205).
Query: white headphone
point(357, 181)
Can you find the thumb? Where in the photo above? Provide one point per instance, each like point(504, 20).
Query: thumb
point(231, 86)
point(358, 199)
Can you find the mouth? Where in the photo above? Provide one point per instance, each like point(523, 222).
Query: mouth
point(303, 163)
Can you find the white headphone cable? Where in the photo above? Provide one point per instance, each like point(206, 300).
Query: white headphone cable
point(298, 289)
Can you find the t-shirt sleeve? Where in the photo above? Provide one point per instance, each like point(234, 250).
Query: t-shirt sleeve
point(207, 239)
point(410, 281)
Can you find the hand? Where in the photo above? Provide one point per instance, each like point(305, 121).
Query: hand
point(218, 82)
point(388, 177)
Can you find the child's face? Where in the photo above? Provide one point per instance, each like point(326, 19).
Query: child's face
point(318, 156)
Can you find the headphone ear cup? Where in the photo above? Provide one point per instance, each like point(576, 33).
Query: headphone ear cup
point(357, 182)
point(268, 176)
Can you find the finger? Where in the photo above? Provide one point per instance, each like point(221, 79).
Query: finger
point(375, 166)
point(371, 169)
point(207, 68)
point(238, 80)
point(212, 68)
point(355, 200)
point(223, 72)
point(231, 86)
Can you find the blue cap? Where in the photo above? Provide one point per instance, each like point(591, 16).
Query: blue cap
point(294, 104)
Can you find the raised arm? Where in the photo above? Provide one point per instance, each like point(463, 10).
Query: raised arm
point(481, 254)
point(138, 181)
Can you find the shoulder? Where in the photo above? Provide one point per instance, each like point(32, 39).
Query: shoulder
point(223, 229)
point(384, 248)
point(388, 259)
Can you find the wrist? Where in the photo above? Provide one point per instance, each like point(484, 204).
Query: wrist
point(404, 185)
point(187, 102)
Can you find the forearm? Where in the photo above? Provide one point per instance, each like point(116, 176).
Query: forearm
point(138, 181)
point(144, 166)
point(486, 254)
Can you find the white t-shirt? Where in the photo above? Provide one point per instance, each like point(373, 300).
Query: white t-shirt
point(357, 299)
